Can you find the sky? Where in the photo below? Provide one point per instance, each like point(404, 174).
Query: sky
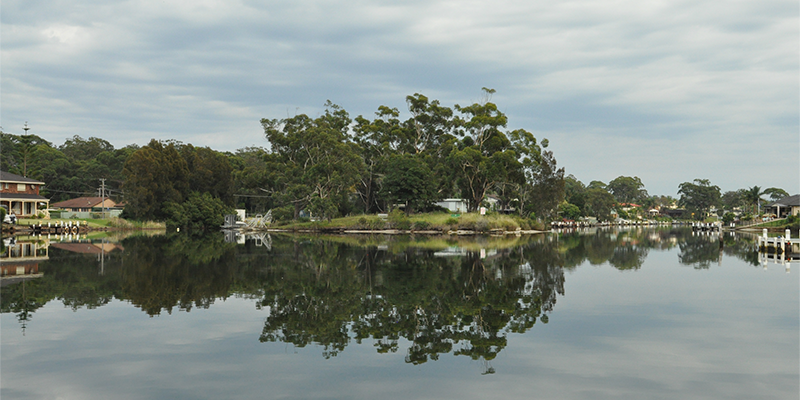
point(668, 91)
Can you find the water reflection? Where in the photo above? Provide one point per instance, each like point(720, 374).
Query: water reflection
point(420, 296)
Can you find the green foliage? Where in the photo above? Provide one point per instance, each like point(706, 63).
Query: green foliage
point(313, 162)
point(728, 218)
point(199, 212)
point(599, 203)
point(398, 220)
point(408, 181)
point(421, 225)
point(156, 175)
point(627, 189)
point(569, 211)
point(698, 197)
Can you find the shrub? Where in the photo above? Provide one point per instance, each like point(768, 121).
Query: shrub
point(403, 225)
point(482, 225)
point(421, 225)
point(451, 222)
point(398, 220)
point(376, 224)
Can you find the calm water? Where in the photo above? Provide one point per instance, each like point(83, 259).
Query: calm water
point(610, 314)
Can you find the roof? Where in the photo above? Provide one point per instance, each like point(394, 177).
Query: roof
point(791, 201)
point(22, 196)
point(80, 202)
point(14, 178)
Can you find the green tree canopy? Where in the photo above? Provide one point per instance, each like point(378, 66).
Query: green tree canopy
point(699, 196)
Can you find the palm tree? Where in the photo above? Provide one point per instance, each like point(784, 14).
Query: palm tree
point(753, 197)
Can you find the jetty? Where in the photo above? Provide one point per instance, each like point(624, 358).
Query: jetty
point(784, 244)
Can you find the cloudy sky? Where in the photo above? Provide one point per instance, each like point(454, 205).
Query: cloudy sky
point(668, 91)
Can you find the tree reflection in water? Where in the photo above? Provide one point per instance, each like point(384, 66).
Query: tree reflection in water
point(464, 305)
point(333, 291)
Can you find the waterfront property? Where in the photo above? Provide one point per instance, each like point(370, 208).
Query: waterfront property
point(785, 206)
point(20, 195)
point(85, 204)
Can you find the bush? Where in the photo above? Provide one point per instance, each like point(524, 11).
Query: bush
point(421, 225)
point(376, 224)
point(451, 222)
point(198, 212)
point(398, 220)
point(403, 225)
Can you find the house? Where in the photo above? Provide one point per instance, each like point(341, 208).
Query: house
point(86, 204)
point(785, 206)
point(454, 205)
point(20, 195)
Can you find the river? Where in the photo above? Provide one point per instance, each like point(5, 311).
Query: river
point(597, 314)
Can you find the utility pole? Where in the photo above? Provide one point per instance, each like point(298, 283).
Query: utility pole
point(103, 195)
point(25, 160)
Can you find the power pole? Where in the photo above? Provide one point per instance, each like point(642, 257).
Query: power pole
point(103, 195)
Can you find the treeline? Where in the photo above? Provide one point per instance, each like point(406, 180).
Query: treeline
point(327, 166)
point(333, 165)
point(697, 198)
point(71, 170)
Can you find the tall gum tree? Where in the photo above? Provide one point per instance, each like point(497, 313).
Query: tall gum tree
point(316, 160)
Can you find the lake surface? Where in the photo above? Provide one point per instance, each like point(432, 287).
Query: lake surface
point(600, 314)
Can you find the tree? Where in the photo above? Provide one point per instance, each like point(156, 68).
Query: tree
point(548, 187)
point(313, 160)
point(485, 157)
point(599, 203)
point(627, 190)
point(753, 198)
point(776, 194)
point(209, 172)
point(569, 211)
point(575, 192)
point(156, 175)
point(698, 197)
point(200, 212)
point(408, 180)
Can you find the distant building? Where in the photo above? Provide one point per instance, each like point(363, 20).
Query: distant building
point(20, 195)
point(785, 206)
point(454, 205)
point(86, 204)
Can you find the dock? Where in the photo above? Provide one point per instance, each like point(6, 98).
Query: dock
point(779, 244)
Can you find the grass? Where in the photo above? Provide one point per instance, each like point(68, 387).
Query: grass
point(442, 222)
point(114, 223)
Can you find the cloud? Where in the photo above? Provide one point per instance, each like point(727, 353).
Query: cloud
point(677, 74)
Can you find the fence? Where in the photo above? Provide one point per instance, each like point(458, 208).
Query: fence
point(85, 215)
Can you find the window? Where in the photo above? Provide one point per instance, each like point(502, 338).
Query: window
point(20, 187)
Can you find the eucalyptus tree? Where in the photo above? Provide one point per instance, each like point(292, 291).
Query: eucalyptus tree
point(484, 158)
point(314, 160)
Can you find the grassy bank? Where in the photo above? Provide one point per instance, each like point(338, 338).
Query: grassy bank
point(441, 222)
point(110, 223)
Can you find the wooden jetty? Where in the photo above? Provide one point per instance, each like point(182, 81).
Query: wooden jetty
point(779, 244)
point(51, 228)
point(706, 226)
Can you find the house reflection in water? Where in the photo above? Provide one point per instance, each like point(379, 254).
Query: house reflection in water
point(20, 259)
